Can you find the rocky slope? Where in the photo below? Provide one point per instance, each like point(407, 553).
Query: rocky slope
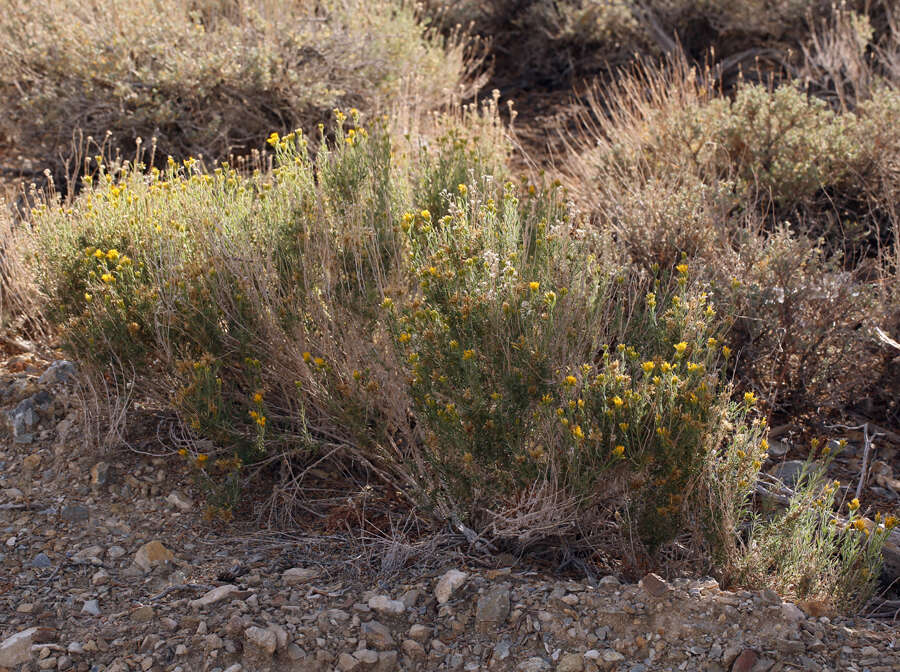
point(106, 565)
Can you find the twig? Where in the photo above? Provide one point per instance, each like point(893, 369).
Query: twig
point(23, 506)
point(865, 464)
point(181, 586)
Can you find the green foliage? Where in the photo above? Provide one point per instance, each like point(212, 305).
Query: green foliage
point(810, 551)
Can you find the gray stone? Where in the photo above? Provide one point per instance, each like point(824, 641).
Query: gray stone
point(75, 513)
point(91, 607)
point(492, 609)
point(41, 560)
point(16, 649)
point(59, 371)
point(534, 664)
point(385, 606)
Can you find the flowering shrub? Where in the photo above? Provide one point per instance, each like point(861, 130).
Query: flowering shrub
point(815, 549)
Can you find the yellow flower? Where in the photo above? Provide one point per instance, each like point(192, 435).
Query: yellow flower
point(682, 268)
point(750, 398)
point(182, 452)
point(854, 504)
point(318, 361)
point(534, 286)
point(711, 343)
point(665, 367)
point(404, 337)
point(468, 354)
point(261, 421)
point(764, 444)
point(467, 456)
point(454, 344)
point(890, 522)
point(273, 139)
point(623, 426)
point(257, 398)
point(426, 215)
point(860, 525)
point(680, 347)
point(387, 303)
point(201, 458)
point(107, 278)
point(496, 396)
point(618, 451)
point(98, 254)
point(617, 401)
point(577, 433)
point(571, 380)
point(254, 415)
point(726, 351)
point(88, 297)
point(648, 366)
point(112, 255)
point(462, 189)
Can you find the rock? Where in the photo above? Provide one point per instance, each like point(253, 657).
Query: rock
point(16, 649)
point(100, 578)
point(609, 582)
point(237, 667)
point(31, 462)
point(143, 614)
point(41, 560)
point(745, 661)
point(385, 606)
point(570, 662)
point(419, 633)
point(294, 652)
point(75, 513)
point(299, 575)
point(778, 449)
point(60, 371)
point(90, 555)
point(152, 555)
point(99, 474)
point(347, 663)
point(611, 656)
point(367, 657)
point(449, 583)
point(492, 609)
point(262, 639)
point(281, 636)
point(91, 607)
point(788, 472)
point(413, 650)
point(115, 552)
point(180, 502)
point(215, 595)
point(791, 612)
point(655, 586)
point(387, 661)
point(534, 664)
point(377, 634)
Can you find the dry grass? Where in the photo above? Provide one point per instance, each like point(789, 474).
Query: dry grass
point(206, 77)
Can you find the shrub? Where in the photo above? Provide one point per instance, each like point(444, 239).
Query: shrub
point(469, 358)
point(810, 552)
point(240, 69)
point(677, 168)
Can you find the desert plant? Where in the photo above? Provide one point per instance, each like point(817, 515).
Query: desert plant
point(809, 551)
point(241, 69)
